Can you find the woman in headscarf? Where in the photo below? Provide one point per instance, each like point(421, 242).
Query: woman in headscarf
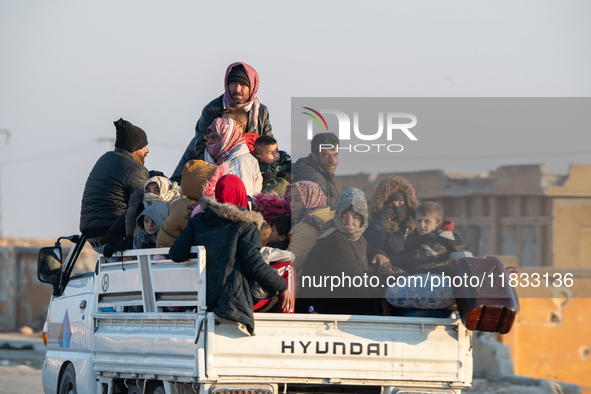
point(305, 203)
point(225, 143)
point(160, 189)
point(342, 251)
point(232, 241)
point(392, 215)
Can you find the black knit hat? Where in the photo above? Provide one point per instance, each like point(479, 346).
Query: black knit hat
point(238, 74)
point(129, 137)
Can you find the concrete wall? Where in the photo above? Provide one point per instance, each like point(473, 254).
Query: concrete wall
point(551, 337)
point(23, 299)
point(571, 232)
point(8, 269)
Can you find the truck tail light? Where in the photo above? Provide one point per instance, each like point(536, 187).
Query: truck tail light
point(45, 334)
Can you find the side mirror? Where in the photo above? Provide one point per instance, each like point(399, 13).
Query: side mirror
point(49, 265)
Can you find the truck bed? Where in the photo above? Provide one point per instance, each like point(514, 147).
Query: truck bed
point(305, 352)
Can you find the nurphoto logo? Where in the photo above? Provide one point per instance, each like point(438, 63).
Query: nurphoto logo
point(393, 127)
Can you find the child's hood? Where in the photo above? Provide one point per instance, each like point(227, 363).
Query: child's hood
point(196, 174)
point(284, 157)
point(157, 212)
point(452, 240)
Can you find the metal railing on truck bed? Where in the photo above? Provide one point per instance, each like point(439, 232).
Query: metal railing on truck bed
point(135, 329)
point(148, 278)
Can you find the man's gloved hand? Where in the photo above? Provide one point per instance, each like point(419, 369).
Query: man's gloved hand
point(108, 251)
point(387, 212)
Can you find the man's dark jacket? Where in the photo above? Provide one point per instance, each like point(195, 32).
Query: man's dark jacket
point(196, 148)
point(120, 234)
point(232, 244)
point(114, 177)
point(306, 169)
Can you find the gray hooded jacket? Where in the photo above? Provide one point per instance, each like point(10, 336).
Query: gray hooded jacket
point(158, 213)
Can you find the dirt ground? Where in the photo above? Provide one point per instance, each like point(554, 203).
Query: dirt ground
point(20, 379)
point(21, 359)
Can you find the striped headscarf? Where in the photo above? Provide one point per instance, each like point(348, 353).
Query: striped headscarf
point(230, 139)
point(310, 192)
point(253, 103)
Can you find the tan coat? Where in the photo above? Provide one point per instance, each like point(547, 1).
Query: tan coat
point(175, 223)
point(303, 235)
point(195, 174)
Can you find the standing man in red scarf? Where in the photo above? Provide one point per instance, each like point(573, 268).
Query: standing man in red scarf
point(241, 84)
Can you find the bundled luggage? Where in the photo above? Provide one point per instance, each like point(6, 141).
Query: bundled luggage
point(492, 305)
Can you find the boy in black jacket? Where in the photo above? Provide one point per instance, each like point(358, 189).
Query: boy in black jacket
point(428, 247)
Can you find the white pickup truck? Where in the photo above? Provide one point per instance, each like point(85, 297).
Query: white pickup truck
point(94, 345)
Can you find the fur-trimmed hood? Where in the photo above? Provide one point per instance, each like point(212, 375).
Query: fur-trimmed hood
point(385, 190)
point(134, 207)
point(231, 212)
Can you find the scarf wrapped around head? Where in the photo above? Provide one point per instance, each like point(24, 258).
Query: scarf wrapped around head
point(230, 190)
point(230, 139)
point(354, 198)
point(253, 103)
point(310, 192)
point(169, 191)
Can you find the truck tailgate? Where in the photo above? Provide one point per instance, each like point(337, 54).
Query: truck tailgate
point(146, 343)
point(343, 348)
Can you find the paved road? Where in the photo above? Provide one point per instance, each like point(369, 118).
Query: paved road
point(21, 358)
point(20, 379)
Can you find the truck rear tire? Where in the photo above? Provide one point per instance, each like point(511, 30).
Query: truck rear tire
point(68, 381)
point(159, 390)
